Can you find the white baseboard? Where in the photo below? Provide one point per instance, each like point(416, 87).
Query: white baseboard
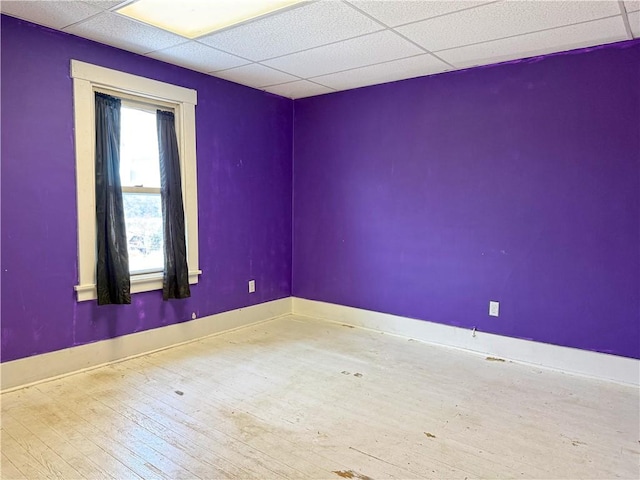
point(29, 370)
point(25, 371)
point(570, 360)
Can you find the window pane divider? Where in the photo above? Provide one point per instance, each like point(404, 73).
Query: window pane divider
point(140, 190)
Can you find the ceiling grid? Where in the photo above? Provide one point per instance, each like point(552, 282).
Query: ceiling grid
point(322, 46)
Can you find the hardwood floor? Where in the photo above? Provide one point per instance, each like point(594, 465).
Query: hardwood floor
point(299, 398)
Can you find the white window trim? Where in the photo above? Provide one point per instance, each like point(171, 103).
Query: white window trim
point(87, 79)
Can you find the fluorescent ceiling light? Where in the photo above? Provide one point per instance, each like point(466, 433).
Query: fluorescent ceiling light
point(193, 18)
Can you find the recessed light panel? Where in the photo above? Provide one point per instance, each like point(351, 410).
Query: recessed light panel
point(193, 18)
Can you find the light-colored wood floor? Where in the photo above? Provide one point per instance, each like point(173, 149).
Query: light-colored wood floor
point(298, 398)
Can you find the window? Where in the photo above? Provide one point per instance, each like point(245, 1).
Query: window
point(140, 179)
point(139, 172)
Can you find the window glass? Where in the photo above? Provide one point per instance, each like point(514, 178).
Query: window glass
point(145, 238)
point(139, 164)
point(140, 178)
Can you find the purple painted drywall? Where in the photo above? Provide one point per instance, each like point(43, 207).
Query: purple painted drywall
point(244, 145)
point(519, 183)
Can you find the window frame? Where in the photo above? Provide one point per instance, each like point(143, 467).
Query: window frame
point(87, 79)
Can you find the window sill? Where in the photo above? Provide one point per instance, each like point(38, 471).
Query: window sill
point(139, 283)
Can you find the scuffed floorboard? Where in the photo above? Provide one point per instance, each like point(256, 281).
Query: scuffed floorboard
point(301, 398)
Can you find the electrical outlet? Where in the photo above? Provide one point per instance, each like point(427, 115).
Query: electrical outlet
point(494, 309)
point(252, 286)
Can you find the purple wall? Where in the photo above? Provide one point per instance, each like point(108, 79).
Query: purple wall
point(244, 147)
point(519, 183)
point(424, 198)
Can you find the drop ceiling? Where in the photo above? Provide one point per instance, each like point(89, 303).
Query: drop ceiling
point(324, 46)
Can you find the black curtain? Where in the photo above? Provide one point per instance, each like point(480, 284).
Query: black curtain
point(176, 272)
point(112, 272)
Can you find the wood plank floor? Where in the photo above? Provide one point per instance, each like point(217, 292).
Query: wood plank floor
point(300, 398)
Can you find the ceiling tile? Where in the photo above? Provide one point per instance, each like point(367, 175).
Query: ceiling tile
point(255, 75)
point(294, 30)
point(417, 66)
point(634, 21)
point(632, 5)
point(299, 89)
point(119, 31)
point(106, 4)
point(560, 39)
point(198, 57)
point(504, 19)
point(50, 14)
point(394, 12)
point(356, 52)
